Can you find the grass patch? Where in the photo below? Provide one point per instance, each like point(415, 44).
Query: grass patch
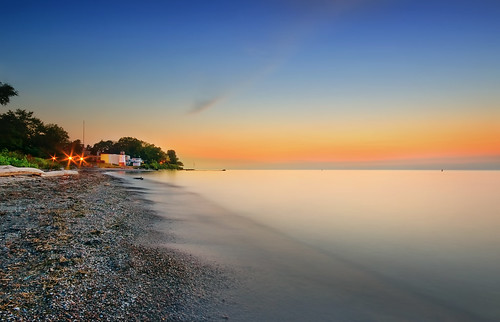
point(20, 160)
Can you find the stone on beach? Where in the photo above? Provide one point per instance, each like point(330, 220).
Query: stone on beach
point(80, 248)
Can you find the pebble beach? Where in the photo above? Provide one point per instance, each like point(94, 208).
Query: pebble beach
point(84, 247)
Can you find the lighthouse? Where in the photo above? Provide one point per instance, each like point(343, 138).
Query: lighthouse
point(121, 160)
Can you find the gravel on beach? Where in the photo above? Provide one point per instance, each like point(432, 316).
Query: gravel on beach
point(83, 248)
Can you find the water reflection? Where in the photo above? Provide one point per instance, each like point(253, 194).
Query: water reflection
point(428, 234)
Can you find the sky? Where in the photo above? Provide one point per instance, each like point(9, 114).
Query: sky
point(274, 84)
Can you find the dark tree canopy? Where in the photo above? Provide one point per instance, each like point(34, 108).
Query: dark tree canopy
point(75, 147)
point(136, 148)
point(102, 147)
point(172, 157)
point(51, 140)
point(6, 92)
point(21, 131)
point(130, 146)
point(154, 153)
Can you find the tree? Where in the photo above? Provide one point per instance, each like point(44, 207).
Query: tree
point(6, 91)
point(131, 146)
point(153, 156)
point(75, 147)
point(51, 140)
point(18, 130)
point(152, 153)
point(102, 147)
point(21, 131)
point(172, 157)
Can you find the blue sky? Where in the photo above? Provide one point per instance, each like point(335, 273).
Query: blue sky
point(227, 76)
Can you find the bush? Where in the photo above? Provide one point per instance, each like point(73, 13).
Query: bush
point(15, 159)
point(20, 160)
point(160, 166)
point(45, 164)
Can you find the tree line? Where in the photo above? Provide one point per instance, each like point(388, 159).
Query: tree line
point(154, 156)
point(21, 132)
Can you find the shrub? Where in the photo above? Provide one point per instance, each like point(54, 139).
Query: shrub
point(20, 160)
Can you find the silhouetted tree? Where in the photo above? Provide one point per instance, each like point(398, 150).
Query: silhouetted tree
point(6, 91)
point(102, 147)
point(21, 131)
point(17, 129)
point(152, 155)
point(172, 157)
point(75, 147)
point(131, 146)
point(51, 140)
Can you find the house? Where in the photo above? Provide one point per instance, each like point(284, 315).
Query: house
point(118, 159)
point(136, 162)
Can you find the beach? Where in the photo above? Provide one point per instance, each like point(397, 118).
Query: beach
point(85, 248)
point(191, 246)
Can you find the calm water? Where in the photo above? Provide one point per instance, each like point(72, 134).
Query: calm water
point(342, 245)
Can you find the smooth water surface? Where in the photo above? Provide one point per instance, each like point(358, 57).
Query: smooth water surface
point(343, 245)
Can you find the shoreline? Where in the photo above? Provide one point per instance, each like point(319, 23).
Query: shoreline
point(83, 247)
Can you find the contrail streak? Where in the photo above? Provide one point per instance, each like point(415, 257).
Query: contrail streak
point(315, 14)
point(205, 105)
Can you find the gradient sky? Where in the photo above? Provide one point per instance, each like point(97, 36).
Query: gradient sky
point(266, 84)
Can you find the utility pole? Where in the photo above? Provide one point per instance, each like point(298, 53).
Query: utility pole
point(83, 139)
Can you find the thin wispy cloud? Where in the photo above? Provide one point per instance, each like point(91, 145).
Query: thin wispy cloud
point(314, 14)
point(205, 105)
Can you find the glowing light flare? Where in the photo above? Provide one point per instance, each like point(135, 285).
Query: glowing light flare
point(81, 160)
point(70, 158)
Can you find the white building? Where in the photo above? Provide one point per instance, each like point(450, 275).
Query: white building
point(136, 162)
point(118, 159)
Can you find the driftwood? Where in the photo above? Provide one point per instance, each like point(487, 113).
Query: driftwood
point(8, 170)
point(60, 173)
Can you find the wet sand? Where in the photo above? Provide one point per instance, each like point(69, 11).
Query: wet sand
point(85, 248)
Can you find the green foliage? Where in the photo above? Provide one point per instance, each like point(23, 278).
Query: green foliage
point(131, 146)
point(17, 159)
point(34, 142)
point(160, 166)
point(153, 156)
point(172, 157)
point(45, 163)
point(6, 91)
point(21, 131)
point(102, 147)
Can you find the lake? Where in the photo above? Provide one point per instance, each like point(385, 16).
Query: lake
point(335, 245)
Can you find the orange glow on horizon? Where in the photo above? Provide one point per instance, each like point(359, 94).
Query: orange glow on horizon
point(413, 139)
